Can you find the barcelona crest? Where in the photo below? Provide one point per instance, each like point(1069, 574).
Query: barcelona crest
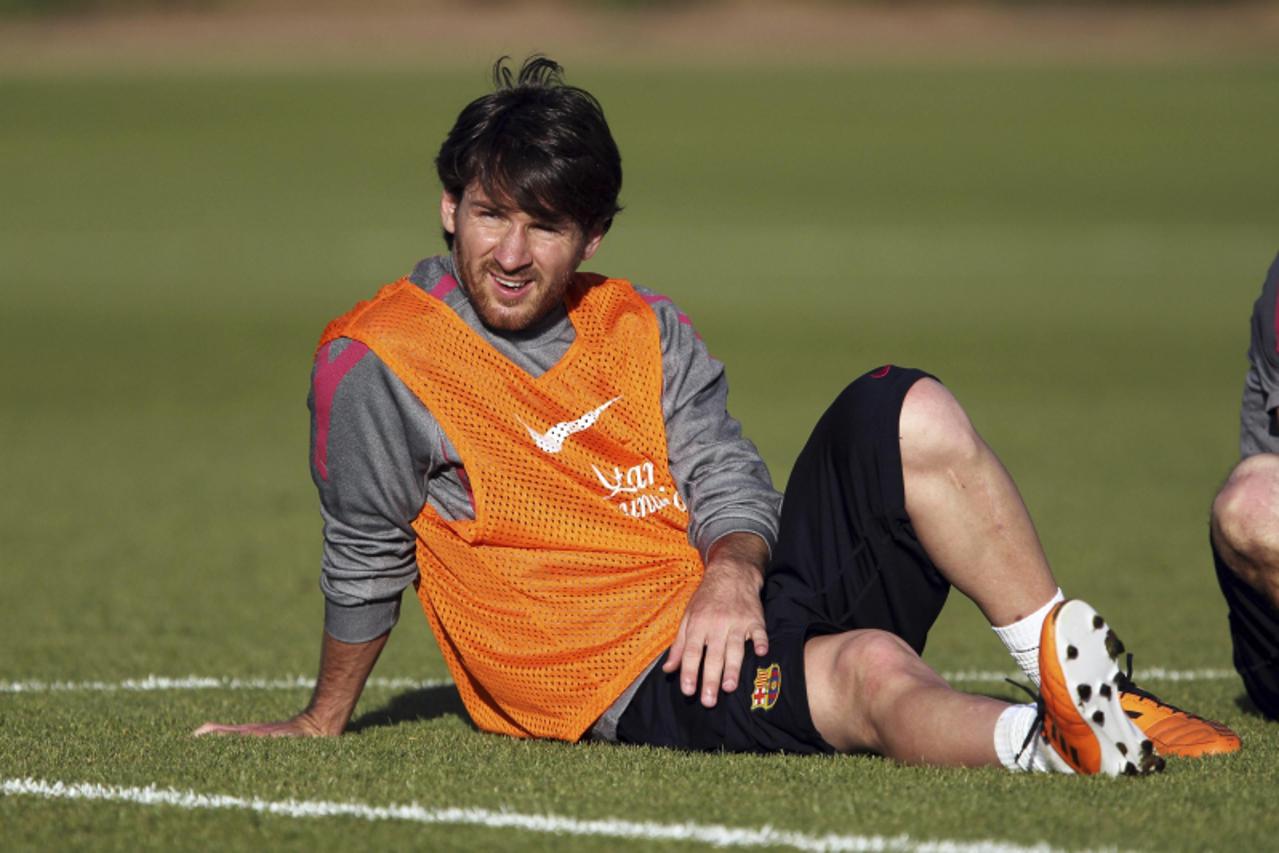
point(768, 686)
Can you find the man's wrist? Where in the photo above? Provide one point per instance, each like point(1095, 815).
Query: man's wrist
point(741, 551)
point(733, 530)
point(319, 720)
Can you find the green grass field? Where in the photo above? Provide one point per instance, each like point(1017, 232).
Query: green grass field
point(1074, 250)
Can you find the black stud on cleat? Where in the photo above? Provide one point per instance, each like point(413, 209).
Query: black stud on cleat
point(1099, 717)
point(1122, 747)
point(1097, 622)
point(1071, 652)
point(1152, 763)
point(1114, 647)
point(1085, 692)
point(1130, 769)
point(1104, 690)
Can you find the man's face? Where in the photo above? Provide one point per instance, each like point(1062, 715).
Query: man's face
point(513, 266)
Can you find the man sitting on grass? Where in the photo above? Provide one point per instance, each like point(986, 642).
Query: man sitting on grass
point(547, 455)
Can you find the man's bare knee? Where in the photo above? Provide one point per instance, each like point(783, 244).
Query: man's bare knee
point(935, 429)
point(1245, 513)
point(1245, 522)
point(851, 678)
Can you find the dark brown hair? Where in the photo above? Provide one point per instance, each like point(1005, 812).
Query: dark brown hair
point(538, 143)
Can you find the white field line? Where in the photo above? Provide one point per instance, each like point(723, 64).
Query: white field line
point(199, 682)
point(716, 835)
point(1155, 673)
point(299, 682)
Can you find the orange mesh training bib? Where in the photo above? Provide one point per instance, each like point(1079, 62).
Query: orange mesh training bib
point(576, 570)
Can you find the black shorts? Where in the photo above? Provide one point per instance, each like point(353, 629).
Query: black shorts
point(1254, 631)
point(846, 558)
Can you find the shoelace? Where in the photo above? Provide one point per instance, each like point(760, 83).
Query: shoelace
point(1126, 685)
point(1038, 724)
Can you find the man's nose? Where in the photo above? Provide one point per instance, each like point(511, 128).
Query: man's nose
point(512, 251)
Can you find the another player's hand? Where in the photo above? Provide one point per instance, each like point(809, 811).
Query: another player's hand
point(303, 725)
point(722, 616)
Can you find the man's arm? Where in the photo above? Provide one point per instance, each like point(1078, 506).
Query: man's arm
point(722, 616)
point(1259, 427)
point(370, 456)
point(344, 667)
point(732, 505)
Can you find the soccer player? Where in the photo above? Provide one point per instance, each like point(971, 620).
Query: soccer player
point(1245, 514)
point(547, 455)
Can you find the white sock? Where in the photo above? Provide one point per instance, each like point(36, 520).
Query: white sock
point(1018, 749)
point(1011, 730)
point(1021, 638)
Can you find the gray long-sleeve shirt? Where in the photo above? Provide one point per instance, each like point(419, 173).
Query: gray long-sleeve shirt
point(378, 456)
point(1261, 385)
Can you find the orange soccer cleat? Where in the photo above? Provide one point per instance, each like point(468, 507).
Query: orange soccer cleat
point(1083, 719)
point(1173, 730)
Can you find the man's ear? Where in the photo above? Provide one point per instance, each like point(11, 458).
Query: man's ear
point(592, 244)
point(448, 212)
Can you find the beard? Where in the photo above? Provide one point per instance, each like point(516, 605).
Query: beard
point(539, 297)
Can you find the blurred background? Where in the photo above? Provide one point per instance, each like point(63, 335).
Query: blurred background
point(1065, 211)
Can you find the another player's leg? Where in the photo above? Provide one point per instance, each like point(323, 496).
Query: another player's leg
point(1245, 545)
point(1245, 523)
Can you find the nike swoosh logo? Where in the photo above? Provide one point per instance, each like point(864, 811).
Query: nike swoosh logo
point(552, 441)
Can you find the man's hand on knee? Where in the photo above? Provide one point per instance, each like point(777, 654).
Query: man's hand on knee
point(722, 616)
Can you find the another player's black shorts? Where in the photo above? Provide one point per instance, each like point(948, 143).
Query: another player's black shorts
point(1254, 631)
point(846, 558)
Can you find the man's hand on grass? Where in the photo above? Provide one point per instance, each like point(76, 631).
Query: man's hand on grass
point(303, 725)
point(344, 667)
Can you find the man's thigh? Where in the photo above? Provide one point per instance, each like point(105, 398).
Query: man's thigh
point(847, 556)
point(768, 712)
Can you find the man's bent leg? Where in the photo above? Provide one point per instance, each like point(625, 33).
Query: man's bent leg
point(967, 511)
point(847, 556)
point(1245, 546)
point(851, 554)
point(894, 497)
point(972, 522)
